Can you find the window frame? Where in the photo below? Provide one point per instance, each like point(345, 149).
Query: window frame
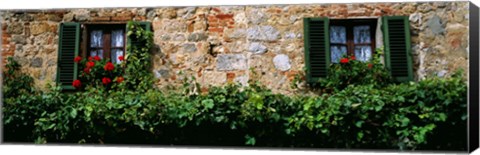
point(88, 27)
point(349, 25)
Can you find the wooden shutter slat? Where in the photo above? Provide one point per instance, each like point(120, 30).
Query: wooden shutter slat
point(317, 48)
point(398, 57)
point(68, 48)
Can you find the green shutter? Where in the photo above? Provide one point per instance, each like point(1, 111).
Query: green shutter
point(398, 52)
point(131, 39)
point(317, 48)
point(68, 47)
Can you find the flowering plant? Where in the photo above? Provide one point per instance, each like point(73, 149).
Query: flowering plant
point(350, 71)
point(95, 71)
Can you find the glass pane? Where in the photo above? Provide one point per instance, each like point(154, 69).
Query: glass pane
point(338, 34)
point(96, 38)
point(117, 38)
point(100, 53)
point(363, 53)
point(115, 54)
point(361, 34)
point(337, 52)
point(93, 53)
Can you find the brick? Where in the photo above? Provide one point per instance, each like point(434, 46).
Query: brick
point(5, 34)
point(224, 16)
point(100, 19)
point(124, 14)
point(217, 10)
point(214, 24)
point(230, 77)
point(212, 18)
point(121, 18)
point(215, 29)
point(6, 54)
point(5, 39)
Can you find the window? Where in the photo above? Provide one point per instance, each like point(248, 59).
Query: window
point(105, 40)
point(349, 37)
point(326, 41)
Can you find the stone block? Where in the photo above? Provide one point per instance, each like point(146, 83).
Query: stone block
point(282, 62)
point(228, 62)
point(263, 33)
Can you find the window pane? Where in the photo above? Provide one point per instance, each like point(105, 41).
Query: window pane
point(338, 34)
point(363, 53)
point(96, 38)
point(115, 54)
point(361, 34)
point(98, 53)
point(93, 53)
point(117, 38)
point(337, 52)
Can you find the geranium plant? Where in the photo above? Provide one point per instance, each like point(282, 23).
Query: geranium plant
point(95, 71)
point(351, 71)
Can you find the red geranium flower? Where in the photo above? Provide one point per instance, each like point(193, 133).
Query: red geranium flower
point(96, 58)
point(352, 57)
point(120, 58)
point(77, 59)
point(370, 65)
point(90, 64)
point(109, 66)
point(90, 58)
point(77, 84)
point(106, 80)
point(86, 70)
point(344, 60)
point(119, 79)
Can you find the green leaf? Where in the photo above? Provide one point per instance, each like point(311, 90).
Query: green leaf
point(359, 124)
point(359, 135)
point(73, 113)
point(208, 103)
point(250, 140)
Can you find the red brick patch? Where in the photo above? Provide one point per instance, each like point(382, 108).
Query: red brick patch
point(230, 77)
point(215, 29)
point(224, 16)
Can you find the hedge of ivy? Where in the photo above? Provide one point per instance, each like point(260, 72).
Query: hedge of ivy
point(364, 109)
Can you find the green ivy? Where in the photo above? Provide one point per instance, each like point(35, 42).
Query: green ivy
point(138, 60)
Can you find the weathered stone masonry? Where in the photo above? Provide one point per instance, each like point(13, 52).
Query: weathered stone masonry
point(221, 44)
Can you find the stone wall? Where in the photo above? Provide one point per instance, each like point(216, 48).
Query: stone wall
point(221, 44)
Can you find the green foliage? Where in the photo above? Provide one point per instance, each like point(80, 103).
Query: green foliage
point(91, 76)
point(355, 72)
point(15, 82)
point(360, 108)
point(401, 116)
point(138, 74)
